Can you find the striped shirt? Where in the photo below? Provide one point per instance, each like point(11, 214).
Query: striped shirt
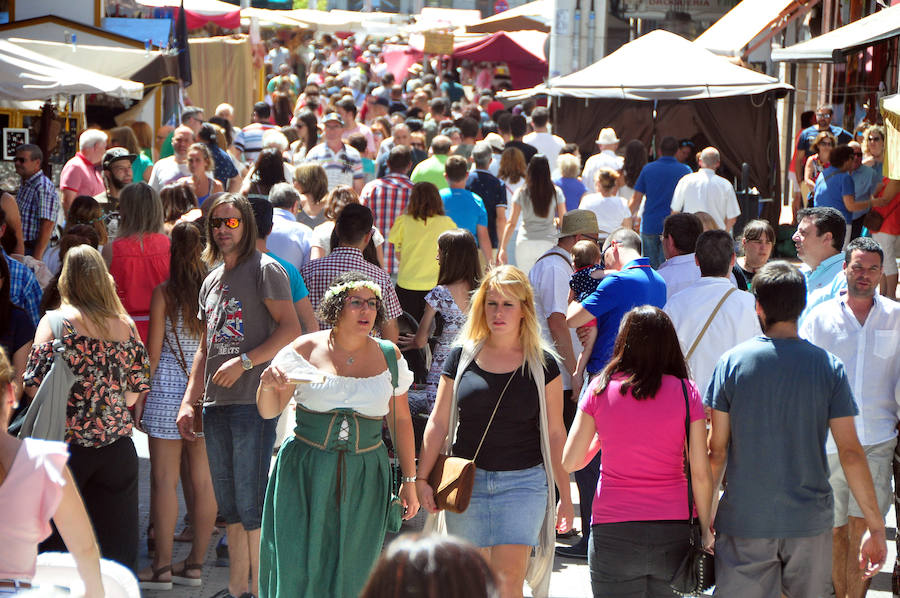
point(387, 197)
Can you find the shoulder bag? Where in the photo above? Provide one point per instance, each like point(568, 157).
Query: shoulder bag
point(395, 505)
point(453, 478)
point(46, 415)
point(696, 573)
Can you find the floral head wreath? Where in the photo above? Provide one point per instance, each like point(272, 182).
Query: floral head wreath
point(338, 289)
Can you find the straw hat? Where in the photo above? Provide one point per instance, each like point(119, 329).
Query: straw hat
point(579, 222)
point(607, 137)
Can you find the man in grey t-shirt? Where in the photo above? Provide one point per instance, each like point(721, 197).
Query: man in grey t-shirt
point(773, 399)
point(246, 307)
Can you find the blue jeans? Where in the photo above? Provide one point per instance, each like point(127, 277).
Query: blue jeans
point(239, 445)
point(652, 249)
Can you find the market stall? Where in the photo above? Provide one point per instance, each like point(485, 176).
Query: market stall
point(661, 84)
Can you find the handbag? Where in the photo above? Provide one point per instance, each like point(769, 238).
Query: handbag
point(394, 516)
point(46, 415)
point(452, 478)
point(697, 572)
point(875, 220)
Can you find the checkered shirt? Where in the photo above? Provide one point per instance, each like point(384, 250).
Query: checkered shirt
point(24, 289)
point(387, 197)
point(318, 275)
point(37, 200)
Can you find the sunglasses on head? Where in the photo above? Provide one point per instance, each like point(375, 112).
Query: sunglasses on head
point(231, 223)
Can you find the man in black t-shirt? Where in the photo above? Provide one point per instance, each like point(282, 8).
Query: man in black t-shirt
point(518, 126)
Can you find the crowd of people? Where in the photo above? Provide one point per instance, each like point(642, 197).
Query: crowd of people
point(375, 258)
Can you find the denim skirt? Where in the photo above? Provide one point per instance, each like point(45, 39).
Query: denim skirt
point(507, 507)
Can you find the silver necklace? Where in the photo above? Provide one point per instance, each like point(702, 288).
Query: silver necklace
point(350, 358)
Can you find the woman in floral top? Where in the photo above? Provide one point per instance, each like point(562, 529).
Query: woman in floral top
point(104, 351)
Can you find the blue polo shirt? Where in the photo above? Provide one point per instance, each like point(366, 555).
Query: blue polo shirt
point(657, 182)
point(808, 135)
point(831, 187)
point(826, 282)
point(635, 284)
point(465, 208)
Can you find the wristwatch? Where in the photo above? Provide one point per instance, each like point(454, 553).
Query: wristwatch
point(246, 363)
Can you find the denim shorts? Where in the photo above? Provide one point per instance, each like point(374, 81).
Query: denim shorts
point(239, 445)
point(507, 507)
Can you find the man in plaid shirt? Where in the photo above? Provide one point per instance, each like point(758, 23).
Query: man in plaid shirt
point(353, 229)
point(37, 200)
point(24, 289)
point(388, 196)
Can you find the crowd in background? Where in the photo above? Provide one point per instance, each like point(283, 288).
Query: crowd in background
point(416, 251)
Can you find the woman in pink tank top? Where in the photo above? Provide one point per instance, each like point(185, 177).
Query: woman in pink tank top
point(35, 487)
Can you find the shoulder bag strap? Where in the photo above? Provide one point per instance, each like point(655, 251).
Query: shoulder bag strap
point(687, 453)
point(179, 357)
point(552, 253)
point(490, 421)
point(708, 322)
point(390, 356)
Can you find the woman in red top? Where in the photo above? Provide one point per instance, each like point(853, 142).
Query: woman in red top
point(139, 257)
point(888, 236)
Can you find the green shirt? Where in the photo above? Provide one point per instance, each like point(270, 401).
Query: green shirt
point(431, 170)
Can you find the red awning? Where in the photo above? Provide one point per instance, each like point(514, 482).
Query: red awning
point(522, 51)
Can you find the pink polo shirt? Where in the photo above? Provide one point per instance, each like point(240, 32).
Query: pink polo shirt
point(642, 448)
point(80, 176)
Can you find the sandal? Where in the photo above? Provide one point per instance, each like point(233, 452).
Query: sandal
point(183, 579)
point(155, 583)
point(186, 535)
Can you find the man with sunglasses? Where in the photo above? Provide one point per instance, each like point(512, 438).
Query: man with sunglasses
point(248, 315)
point(824, 114)
point(37, 200)
point(865, 181)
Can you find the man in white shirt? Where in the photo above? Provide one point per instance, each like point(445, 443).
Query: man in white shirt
point(705, 191)
point(608, 142)
point(550, 279)
point(170, 169)
point(863, 330)
point(711, 316)
point(679, 238)
point(289, 239)
point(541, 138)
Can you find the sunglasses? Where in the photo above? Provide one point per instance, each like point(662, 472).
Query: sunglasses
point(826, 143)
point(858, 154)
point(231, 223)
point(874, 139)
point(357, 303)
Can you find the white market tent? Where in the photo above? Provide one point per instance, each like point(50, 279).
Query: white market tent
point(121, 63)
point(660, 85)
point(835, 45)
point(750, 24)
point(659, 66)
point(27, 75)
point(204, 7)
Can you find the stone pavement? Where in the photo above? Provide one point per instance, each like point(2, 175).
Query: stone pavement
point(570, 578)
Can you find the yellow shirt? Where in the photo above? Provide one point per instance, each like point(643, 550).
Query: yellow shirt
point(416, 241)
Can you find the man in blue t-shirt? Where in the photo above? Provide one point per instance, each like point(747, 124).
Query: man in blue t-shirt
point(657, 182)
point(464, 207)
point(630, 282)
point(824, 114)
point(773, 399)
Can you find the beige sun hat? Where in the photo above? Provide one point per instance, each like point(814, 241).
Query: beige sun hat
point(579, 222)
point(607, 137)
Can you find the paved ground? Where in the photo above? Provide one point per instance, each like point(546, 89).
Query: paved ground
point(570, 578)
